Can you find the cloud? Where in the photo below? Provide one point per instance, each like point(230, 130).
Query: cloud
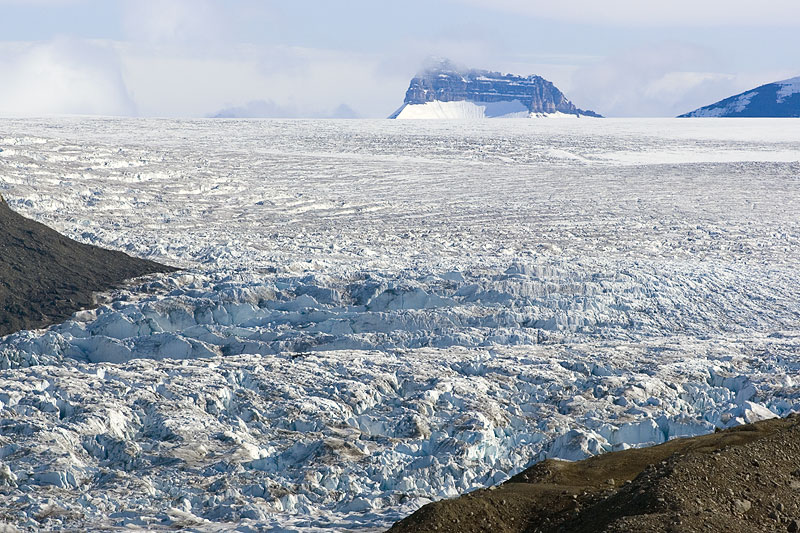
point(696, 13)
point(269, 109)
point(257, 109)
point(661, 79)
point(343, 111)
point(174, 80)
point(63, 76)
point(322, 79)
point(40, 2)
point(410, 56)
point(162, 21)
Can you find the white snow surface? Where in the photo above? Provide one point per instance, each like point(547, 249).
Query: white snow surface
point(467, 110)
point(376, 314)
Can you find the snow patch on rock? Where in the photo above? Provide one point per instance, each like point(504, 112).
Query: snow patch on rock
point(467, 110)
point(788, 88)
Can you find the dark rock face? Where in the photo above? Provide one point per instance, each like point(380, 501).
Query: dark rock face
point(445, 83)
point(45, 277)
point(773, 100)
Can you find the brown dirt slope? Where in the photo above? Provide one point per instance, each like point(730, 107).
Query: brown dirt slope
point(742, 480)
point(45, 277)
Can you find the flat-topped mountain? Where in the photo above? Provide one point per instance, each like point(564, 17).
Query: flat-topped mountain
point(445, 91)
point(779, 99)
point(45, 276)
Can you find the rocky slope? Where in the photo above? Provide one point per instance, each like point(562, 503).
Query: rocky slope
point(780, 100)
point(45, 277)
point(442, 92)
point(744, 479)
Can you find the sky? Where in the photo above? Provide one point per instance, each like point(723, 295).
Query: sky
point(355, 58)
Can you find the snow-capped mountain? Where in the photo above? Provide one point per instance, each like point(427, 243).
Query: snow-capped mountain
point(779, 99)
point(445, 91)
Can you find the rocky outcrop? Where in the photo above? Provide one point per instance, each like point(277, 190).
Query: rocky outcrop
point(45, 277)
point(740, 480)
point(446, 83)
point(780, 100)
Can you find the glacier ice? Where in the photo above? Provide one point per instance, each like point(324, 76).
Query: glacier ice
point(375, 314)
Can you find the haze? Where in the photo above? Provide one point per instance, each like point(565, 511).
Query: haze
point(196, 58)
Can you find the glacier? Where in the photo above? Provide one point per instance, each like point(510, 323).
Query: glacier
point(375, 314)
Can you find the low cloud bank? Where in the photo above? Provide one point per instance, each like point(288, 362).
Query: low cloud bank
point(63, 76)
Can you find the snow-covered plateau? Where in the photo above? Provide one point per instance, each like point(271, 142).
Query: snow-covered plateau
point(375, 314)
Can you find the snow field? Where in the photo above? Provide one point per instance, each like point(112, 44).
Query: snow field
point(465, 110)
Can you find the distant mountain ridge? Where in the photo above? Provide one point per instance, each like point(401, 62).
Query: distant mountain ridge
point(780, 99)
point(445, 91)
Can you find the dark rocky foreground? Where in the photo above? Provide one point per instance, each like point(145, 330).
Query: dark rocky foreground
point(745, 479)
point(45, 277)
